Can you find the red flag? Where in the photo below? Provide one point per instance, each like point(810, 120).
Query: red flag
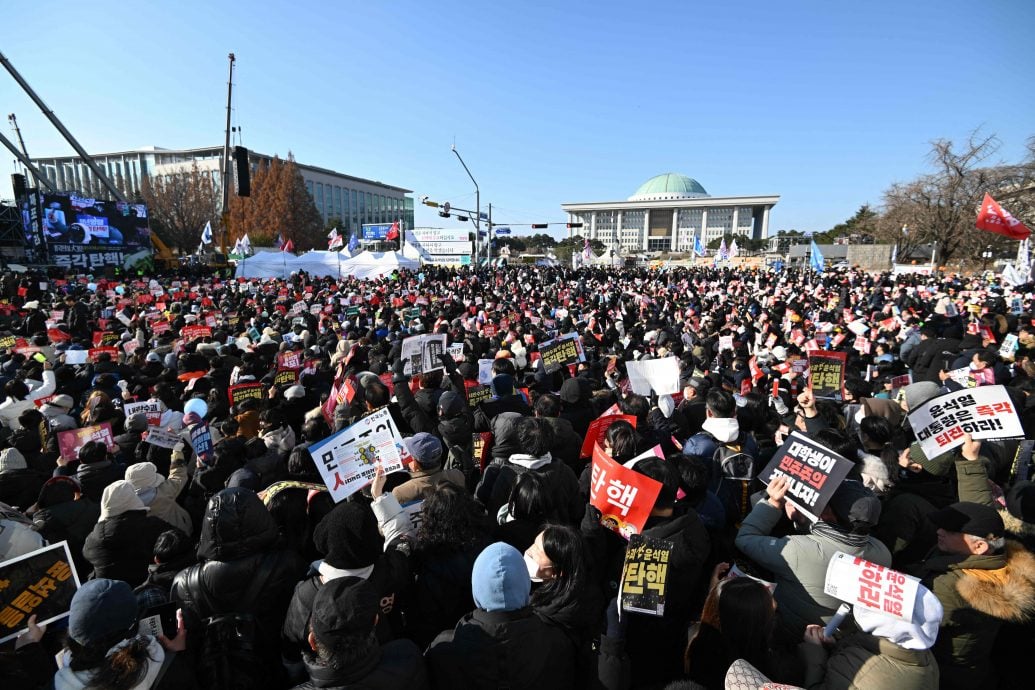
point(393, 232)
point(994, 218)
point(289, 246)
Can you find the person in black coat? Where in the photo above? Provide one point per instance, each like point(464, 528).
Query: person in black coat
point(503, 642)
point(19, 484)
point(121, 544)
point(94, 470)
point(62, 513)
point(238, 547)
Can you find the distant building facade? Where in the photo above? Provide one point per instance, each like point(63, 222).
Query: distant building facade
point(355, 200)
point(667, 213)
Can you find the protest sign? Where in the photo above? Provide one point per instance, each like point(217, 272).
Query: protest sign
point(725, 342)
point(659, 375)
point(456, 351)
point(189, 333)
point(1009, 346)
point(41, 583)
point(69, 442)
point(420, 353)
point(159, 327)
point(901, 381)
point(94, 353)
point(76, 356)
point(986, 412)
point(624, 497)
point(815, 472)
point(152, 408)
point(290, 359)
point(645, 575)
point(244, 391)
point(285, 377)
point(7, 341)
point(348, 459)
point(478, 394)
point(858, 582)
point(201, 442)
point(485, 372)
point(598, 427)
point(827, 373)
point(561, 352)
point(105, 339)
point(161, 438)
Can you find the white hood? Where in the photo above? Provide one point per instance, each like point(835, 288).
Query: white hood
point(725, 430)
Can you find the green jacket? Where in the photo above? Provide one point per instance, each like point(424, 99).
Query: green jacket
point(799, 564)
point(862, 661)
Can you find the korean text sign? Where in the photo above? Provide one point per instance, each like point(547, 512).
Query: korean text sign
point(645, 575)
point(245, 391)
point(985, 412)
point(69, 442)
point(560, 352)
point(827, 373)
point(815, 472)
point(623, 496)
point(348, 459)
point(598, 427)
point(41, 583)
point(858, 582)
point(420, 353)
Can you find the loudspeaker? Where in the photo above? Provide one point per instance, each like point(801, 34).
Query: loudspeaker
point(18, 182)
point(244, 180)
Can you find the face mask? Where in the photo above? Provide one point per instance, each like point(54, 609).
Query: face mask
point(533, 568)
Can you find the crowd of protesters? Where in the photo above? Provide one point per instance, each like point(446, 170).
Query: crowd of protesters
point(507, 578)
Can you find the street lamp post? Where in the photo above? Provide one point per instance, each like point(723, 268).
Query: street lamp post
point(477, 205)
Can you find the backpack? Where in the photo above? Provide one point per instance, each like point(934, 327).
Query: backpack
point(231, 654)
point(460, 459)
point(736, 472)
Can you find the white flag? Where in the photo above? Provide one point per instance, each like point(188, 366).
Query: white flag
point(206, 234)
point(246, 244)
point(734, 250)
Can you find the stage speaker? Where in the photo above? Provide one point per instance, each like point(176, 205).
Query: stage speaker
point(244, 172)
point(18, 182)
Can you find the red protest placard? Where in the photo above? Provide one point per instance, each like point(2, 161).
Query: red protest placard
point(624, 497)
point(194, 332)
point(243, 391)
point(95, 352)
point(69, 442)
point(598, 427)
point(291, 359)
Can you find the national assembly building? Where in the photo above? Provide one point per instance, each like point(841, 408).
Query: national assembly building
point(667, 213)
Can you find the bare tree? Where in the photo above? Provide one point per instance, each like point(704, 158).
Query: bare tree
point(179, 206)
point(940, 207)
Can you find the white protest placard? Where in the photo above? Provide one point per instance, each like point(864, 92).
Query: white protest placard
point(1009, 346)
point(152, 408)
point(348, 460)
point(725, 342)
point(485, 372)
point(161, 438)
point(859, 327)
point(659, 375)
point(76, 356)
point(456, 351)
point(420, 353)
point(861, 583)
point(985, 412)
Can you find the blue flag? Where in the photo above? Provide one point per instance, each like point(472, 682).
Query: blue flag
point(698, 246)
point(353, 243)
point(816, 258)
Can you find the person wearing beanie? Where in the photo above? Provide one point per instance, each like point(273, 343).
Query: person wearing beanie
point(502, 642)
point(799, 562)
point(159, 493)
point(426, 456)
point(888, 652)
point(104, 650)
point(982, 579)
point(58, 411)
point(916, 394)
point(507, 400)
point(19, 485)
point(342, 646)
point(575, 406)
point(370, 543)
point(92, 468)
point(121, 542)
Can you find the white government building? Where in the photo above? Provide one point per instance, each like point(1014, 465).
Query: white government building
point(667, 212)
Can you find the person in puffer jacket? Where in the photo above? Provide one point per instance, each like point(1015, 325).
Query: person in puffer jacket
point(239, 544)
point(121, 543)
point(159, 494)
point(19, 485)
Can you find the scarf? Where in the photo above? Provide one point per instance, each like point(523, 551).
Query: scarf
point(840, 535)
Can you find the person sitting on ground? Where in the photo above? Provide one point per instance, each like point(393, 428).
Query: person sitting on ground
point(425, 467)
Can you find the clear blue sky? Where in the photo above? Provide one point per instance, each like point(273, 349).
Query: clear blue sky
point(823, 103)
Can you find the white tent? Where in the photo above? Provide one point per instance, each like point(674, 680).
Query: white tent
point(324, 264)
point(266, 265)
point(367, 264)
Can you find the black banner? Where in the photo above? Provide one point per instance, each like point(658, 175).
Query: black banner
point(645, 575)
point(41, 583)
point(815, 472)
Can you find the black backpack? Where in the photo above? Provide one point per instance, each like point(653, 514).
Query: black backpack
point(461, 459)
point(231, 655)
point(736, 472)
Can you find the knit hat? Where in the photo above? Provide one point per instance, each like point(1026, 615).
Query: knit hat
point(294, 392)
point(425, 449)
point(64, 400)
point(344, 607)
point(137, 422)
point(853, 502)
point(11, 459)
point(119, 497)
point(144, 475)
point(918, 633)
point(348, 537)
point(916, 394)
point(939, 465)
point(500, 580)
point(153, 357)
point(100, 610)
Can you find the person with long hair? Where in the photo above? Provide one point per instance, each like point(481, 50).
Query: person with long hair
point(526, 513)
point(453, 531)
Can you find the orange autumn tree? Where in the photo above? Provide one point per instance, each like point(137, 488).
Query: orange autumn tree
point(279, 204)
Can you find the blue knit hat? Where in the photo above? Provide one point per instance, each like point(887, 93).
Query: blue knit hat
point(499, 580)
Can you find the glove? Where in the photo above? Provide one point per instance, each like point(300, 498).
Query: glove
point(398, 369)
point(615, 623)
point(780, 406)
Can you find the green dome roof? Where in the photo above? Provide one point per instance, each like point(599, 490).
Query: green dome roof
point(668, 186)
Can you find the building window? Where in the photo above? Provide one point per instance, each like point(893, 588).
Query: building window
point(319, 197)
point(720, 221)
point(658, 244)
point(309, 188)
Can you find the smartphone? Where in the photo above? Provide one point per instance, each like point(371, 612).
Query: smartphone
point(159, 619)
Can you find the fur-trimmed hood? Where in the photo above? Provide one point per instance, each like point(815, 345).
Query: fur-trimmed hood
point(1007, 593)
point(1015, 526)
